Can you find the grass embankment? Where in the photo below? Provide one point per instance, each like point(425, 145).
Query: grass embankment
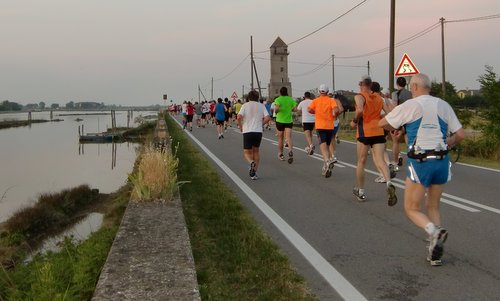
point(72, 273)
point(234, 259)
point(19, 123)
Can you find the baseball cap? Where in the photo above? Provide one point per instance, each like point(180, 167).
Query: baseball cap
point(323, 88)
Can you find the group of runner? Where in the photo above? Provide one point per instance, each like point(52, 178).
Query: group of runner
point(427, 136)
point(205, 113)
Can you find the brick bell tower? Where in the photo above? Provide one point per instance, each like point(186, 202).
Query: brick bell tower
point(279, 69)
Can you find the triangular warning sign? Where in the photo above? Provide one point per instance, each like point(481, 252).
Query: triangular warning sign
point(234, 95)
point(406, 67)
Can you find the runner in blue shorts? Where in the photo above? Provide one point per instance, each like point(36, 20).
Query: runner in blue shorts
point(432, 128)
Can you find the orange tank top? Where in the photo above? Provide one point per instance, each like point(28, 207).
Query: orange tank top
point(368, 125)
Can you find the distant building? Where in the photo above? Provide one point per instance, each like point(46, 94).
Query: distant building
point(279, 69)
point(467, 93)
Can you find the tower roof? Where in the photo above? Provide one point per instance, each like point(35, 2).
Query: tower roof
point(278, 43)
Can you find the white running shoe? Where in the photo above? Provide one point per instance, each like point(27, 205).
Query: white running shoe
point(380, 179)
point(436, 246)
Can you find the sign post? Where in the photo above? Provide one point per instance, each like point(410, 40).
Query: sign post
point(234, 96)
point(406, 67)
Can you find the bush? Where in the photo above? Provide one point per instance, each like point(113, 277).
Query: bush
point(484, 147)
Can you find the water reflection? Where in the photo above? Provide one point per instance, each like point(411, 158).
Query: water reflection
point(48, 158)
point(79, 232)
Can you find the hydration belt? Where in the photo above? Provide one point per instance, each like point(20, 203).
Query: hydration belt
point(423, 155)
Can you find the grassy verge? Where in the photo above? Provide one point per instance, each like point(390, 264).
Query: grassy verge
point(234, 259)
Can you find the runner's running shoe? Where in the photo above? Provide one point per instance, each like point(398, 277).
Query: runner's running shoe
point(281, 157)
point(436, 246)
point(392, 170)
point(391, 192)
point(310, 150)
point(290, 157)
point(255, 177)
point(380, 179)
point(324, 170)
point(360, 197)
point(251, 171)
point(400, 160)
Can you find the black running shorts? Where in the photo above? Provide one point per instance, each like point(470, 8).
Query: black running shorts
point(372, 140)
point(308, 126)
point(251, 140)
point(282, 126)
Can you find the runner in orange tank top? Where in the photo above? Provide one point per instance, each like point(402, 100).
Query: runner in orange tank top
point(370, 135)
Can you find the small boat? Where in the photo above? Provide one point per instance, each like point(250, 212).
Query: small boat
point(97, 137)
point(78, 119)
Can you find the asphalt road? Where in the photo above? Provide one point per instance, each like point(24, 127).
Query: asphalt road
point(355, 251)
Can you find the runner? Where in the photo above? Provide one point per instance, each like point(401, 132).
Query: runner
point(326, 111)
point(284, 105)
point(227, 113)
point(197, 111)
point(370, 135)
point(184, 113)
point(336, 127)
point(427, 120)
point(308, 120)
point(399, 97)
point(220, 115)
point(189, 115)
point(205, 110)
point(387, 102)
point(251, 118)
point(268, 108)
point(212, 111)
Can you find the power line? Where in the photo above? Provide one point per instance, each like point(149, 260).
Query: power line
point(235, 68)
point(401, 43)
point(420, 34)
point(327, 24)
point(319, 67)
point(322, 27)
point(307, 63)
point(474, 19)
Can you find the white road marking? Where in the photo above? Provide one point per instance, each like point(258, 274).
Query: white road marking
point(343, 287)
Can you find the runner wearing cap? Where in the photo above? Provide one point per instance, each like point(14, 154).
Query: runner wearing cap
point(326, 111)
point(336, 127)
point(308, 120)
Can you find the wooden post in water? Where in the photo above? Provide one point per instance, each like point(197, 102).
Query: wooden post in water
point(29, 116)
point(51, 116)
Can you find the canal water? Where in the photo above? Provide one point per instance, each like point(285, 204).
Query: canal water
point(47, 157)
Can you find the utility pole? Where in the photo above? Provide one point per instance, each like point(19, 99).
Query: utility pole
point(368, 67)
point(242, 91)
point(212, 91)
point(251, 61)
point(199, 91)
point(442, 57)
point(333, 72)
point(257, 78)
point(391, 45)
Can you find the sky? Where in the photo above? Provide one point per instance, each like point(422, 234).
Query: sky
point(133, 52)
